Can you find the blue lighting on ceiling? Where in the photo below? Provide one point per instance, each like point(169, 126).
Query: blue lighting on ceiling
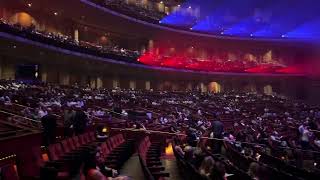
point(249, 18)
point(245, 27)
point(183, 16)
point(310, 30)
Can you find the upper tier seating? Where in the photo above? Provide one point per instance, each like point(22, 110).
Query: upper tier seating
point(147, 14)
point(66, 42)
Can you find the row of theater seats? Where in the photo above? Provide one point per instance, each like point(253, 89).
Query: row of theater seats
point(189, 172)
point(65, 159)
point(71, 151)
point(8, 169)
point(280, 165)
point(67, 155)
point(271, 172)
point(116, 151)
point(149, 155)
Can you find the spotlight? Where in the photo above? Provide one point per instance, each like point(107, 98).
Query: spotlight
point(251, 35)
point(222, 33)
point(55, 13)
point(179, 5)
point(160, 21)
point(161, 2)
point(29, 4)
point(189, 7)
point(190, 28)
point(283, 36)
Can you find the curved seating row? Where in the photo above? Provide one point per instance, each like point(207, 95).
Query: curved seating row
point(244, 162)
point(63, 160)
point(190, 172)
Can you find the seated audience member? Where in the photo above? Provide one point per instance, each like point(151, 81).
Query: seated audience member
point(253, 171)
point(218, 172)
point(305, 136)
point(174, 129)
point(179, 151)
point(206, 166)
point(188, 154)
point(192, 137)
point(94, 169)
point(198, 157)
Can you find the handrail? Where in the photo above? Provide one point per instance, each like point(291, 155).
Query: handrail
point(108, 110)
point(312, 130)
point(29, 119)
point(149, 110)
point(94, 116)
point(59, 116)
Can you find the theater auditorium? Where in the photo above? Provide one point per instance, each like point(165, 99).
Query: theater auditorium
point(159, 90)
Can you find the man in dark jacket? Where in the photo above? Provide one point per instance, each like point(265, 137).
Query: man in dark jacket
point(49, 124)
point(80, 122)
point(217, 130)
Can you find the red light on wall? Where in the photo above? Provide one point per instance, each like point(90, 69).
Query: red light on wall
point(292, 70)
point(181, 60)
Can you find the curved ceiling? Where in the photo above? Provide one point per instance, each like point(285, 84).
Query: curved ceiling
point(276, 19)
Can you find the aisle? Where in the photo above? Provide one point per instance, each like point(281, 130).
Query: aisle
point(132, 168)
point(171, 167)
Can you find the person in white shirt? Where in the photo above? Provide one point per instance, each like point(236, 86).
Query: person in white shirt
point(305, 138)
point(149, 115)
point(42, 113)
point(98, 113)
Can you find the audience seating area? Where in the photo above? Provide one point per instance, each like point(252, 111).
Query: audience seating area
point(256, 132)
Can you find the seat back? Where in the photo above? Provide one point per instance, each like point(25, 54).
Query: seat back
point(76, 141)
point(82, 139)
point(52, 152)
point(66, 146)
point(30, 166)
point(109, 143)
point(8, 170)
point(55, 151)
point(86, 138)
point(71, 144)
point(92, 136)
